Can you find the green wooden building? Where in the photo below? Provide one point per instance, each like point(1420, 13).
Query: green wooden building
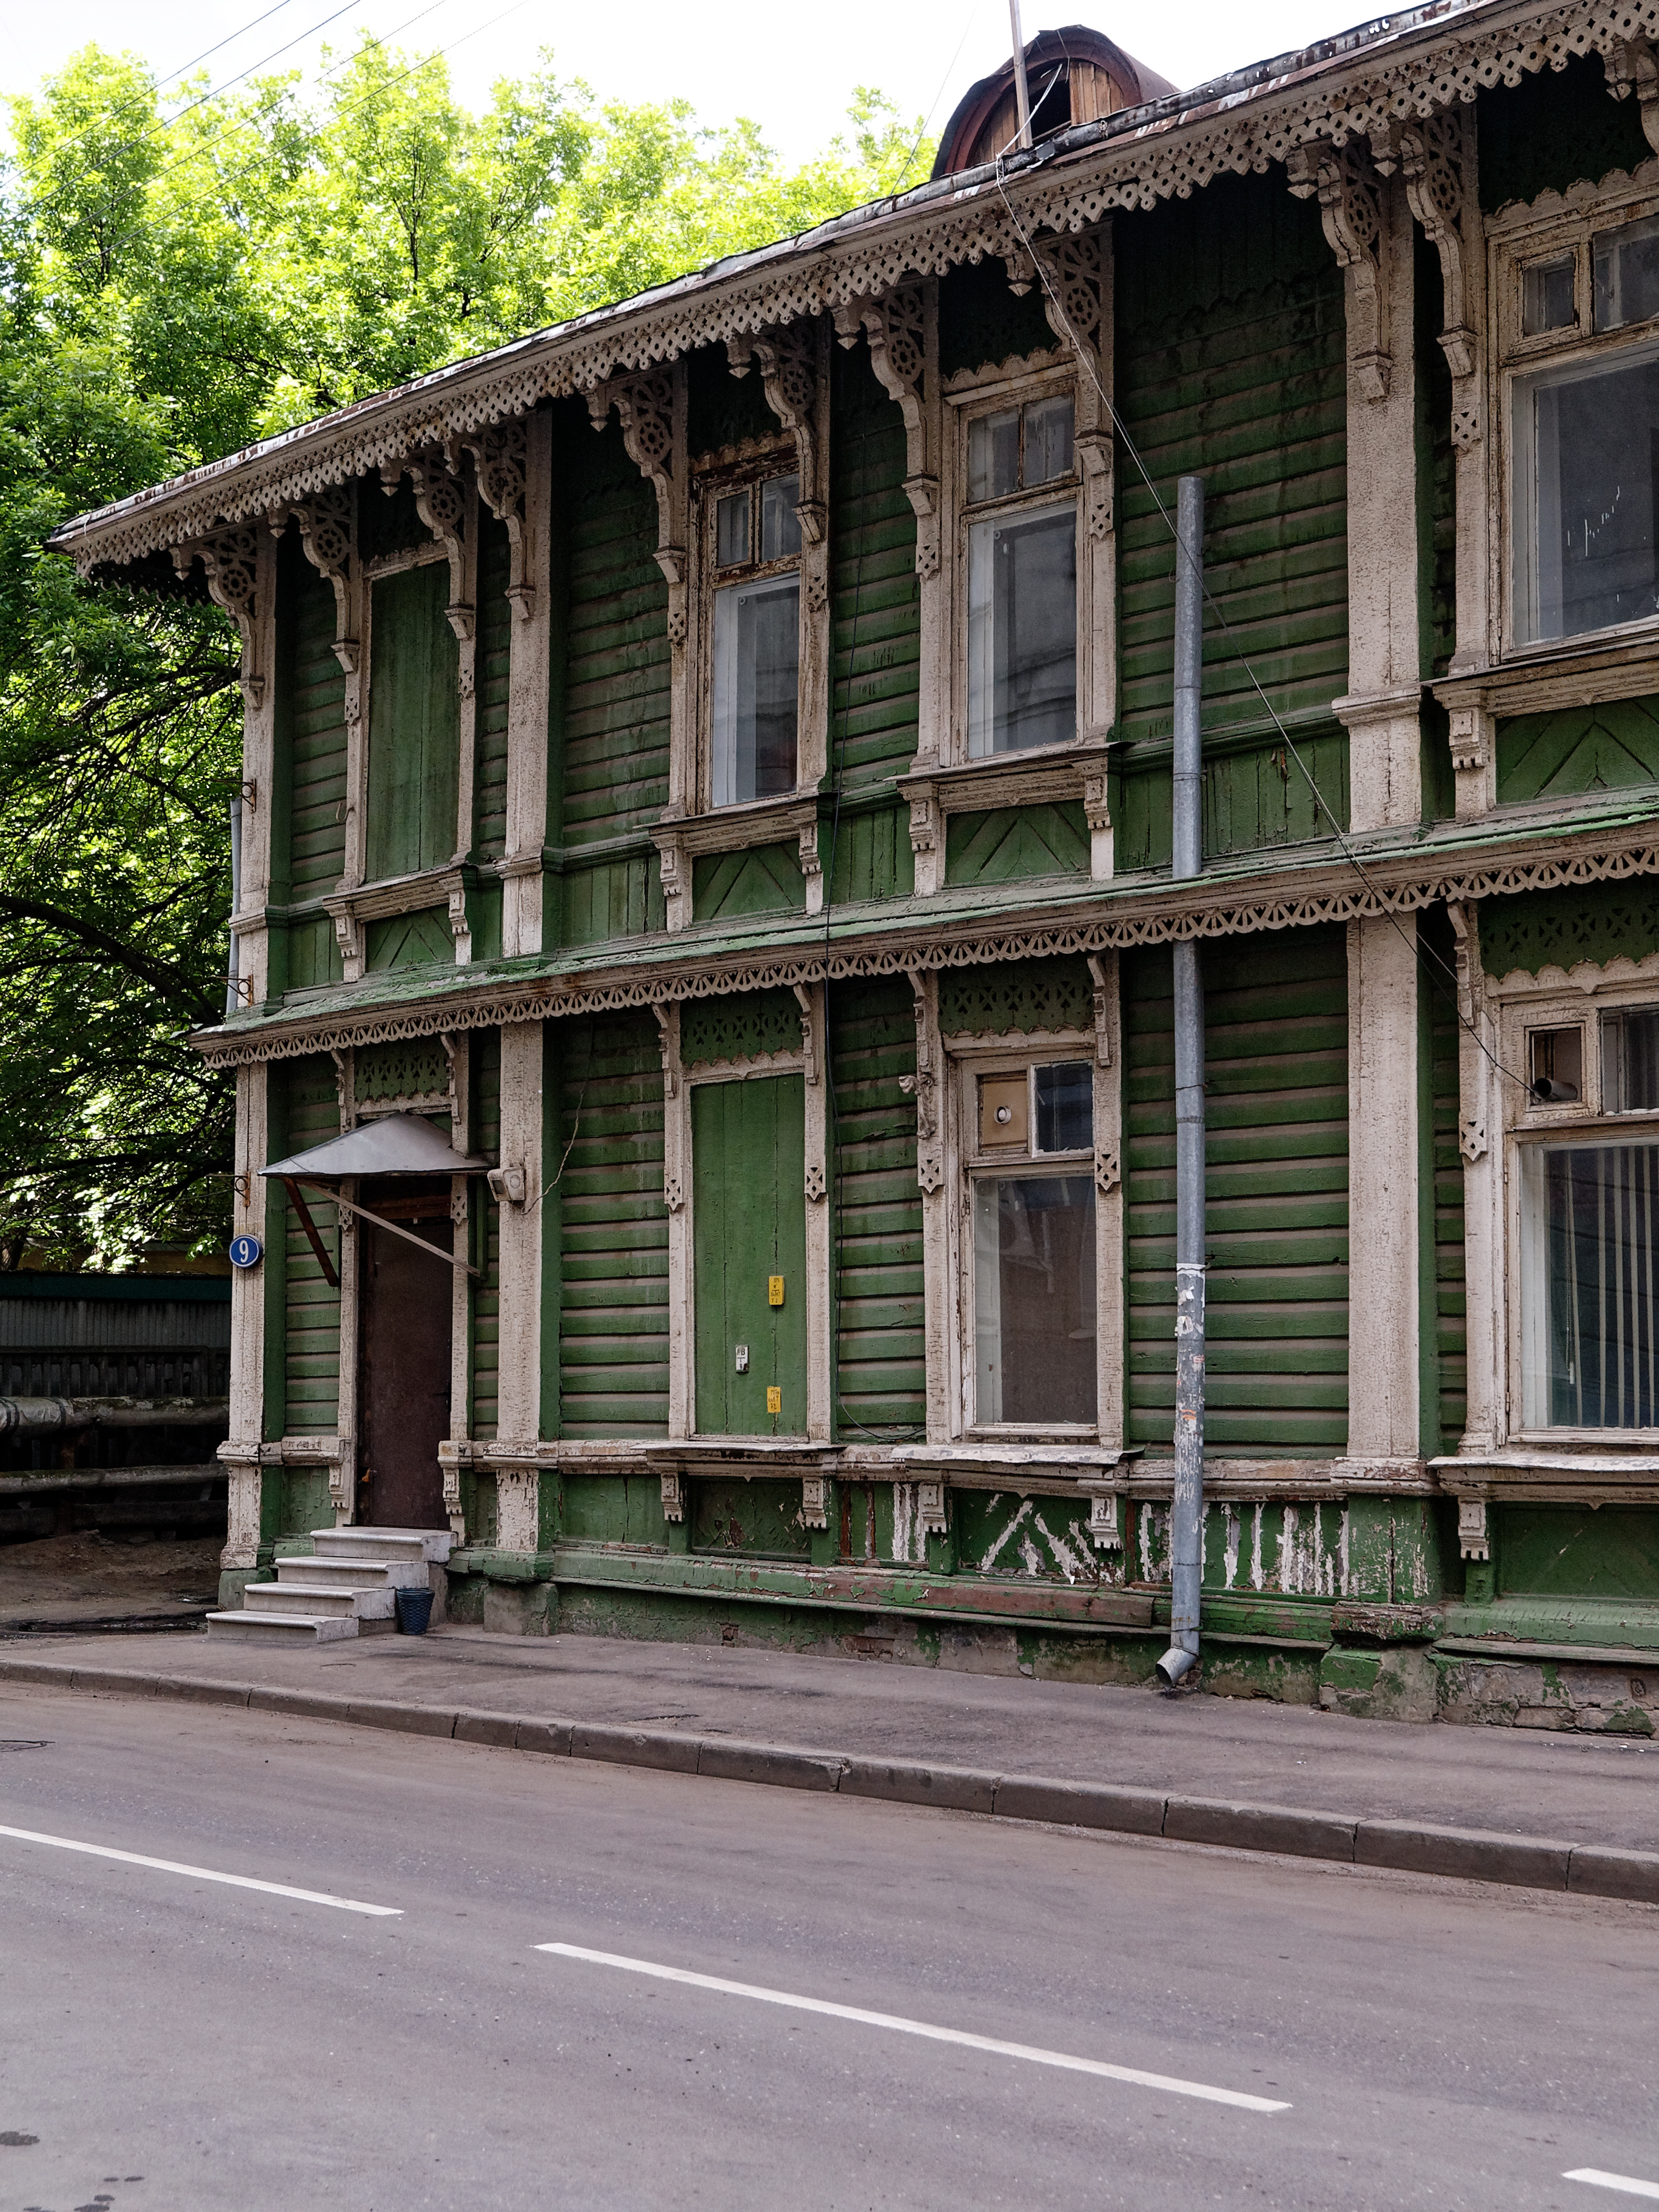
point(708, 768)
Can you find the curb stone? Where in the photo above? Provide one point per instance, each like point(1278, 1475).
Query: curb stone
point(1405, 1846)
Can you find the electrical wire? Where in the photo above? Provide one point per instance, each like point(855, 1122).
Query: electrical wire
point(972, 18)
point(1423, 954)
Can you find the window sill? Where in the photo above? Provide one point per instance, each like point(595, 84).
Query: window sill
point(1559, 1466)
point(1040, 777)
point(1541, 679)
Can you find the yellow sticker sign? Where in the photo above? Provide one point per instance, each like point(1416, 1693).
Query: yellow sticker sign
point(774, 1291)
point(774, 1398)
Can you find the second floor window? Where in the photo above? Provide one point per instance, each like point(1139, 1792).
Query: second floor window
point(756, 641)
point(1022, 579)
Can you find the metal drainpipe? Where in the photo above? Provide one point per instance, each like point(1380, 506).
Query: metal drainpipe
point(1187, 1512)
point(233, 973)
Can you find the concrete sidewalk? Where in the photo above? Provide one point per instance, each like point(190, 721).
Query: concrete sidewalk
point(1274, 1777)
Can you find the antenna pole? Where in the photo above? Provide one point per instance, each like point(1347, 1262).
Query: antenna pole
point(1022, 90)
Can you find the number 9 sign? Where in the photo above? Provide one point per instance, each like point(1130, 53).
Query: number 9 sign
point(246, 1251)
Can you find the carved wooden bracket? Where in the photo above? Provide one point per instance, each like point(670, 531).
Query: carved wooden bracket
point(896, 326)
point(673, 1497)
point(809, 1042)
point(1631, 66)
point(668, 1045)
point(328, 534)
point(1103, 998)
point(230, 558)
point(1433, 158)
point(1350, 208)
point(815, 1501)
point(500, 461)
point(788, 363)
point(644, 407)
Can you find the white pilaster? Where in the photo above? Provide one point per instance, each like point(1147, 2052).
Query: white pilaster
point(519, 1412)
point(247, 1325)
point(528, 679)
point(1383, 1288)
point(1480, 1139)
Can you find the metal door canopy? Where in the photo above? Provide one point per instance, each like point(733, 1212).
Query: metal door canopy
point(396, 1143)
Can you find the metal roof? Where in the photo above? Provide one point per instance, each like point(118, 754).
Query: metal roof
point(397, 1144)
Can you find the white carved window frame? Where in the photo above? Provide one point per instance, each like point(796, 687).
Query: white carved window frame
point(966, 1058)
point(965, 402)
point(680, 1198)
point(775, 457)
point(1515, 241)
point(1521, 1006)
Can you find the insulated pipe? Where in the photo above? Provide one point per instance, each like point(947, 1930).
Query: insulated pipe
point(1187, 1511)
point(1022, 89)
point(233, 973)
point(34, 1416)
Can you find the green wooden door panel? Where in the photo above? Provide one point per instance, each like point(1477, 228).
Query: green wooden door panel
point(414, 755)
point(749, 1223)
point(1606, 747)
point(1013, 842)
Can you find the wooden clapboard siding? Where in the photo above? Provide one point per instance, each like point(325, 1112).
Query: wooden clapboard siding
point(615, 712)
point(494, 646)
point(749, 1224)
point(875, 602)
point(486, 1138)
point(311, 728)
point(613, 1334)
point(1230, 363)
point(982, 322)
point(866, 853)
point(312, 1349)
point(1276, 1073)
point(413, 723)
point(880, 1375)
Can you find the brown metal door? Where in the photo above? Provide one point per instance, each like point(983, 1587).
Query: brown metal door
point(405, 1340)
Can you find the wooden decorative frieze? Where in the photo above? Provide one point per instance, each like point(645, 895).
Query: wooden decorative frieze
point(1344, 180)
point(1332, 892)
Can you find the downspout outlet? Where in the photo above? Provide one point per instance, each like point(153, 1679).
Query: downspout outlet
point(1176, 1661)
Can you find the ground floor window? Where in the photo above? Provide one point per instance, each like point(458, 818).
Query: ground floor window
point(1033, 1267)
point(1590, 1263)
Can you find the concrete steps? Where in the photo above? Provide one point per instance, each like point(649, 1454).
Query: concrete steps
point(348, 1587)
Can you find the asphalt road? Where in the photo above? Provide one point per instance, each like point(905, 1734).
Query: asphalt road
point(168, 2042)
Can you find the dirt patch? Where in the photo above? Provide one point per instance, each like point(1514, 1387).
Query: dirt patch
point(87, 1579)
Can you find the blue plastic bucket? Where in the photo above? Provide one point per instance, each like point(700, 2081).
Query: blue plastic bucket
point(414, 1611)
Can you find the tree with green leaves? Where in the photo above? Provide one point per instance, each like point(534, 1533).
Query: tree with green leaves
point(178, 278)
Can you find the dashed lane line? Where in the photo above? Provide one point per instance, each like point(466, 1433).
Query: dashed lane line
point(206, 1874)
point(1133, 2074)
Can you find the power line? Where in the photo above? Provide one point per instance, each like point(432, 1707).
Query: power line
point(972, 17)
point(1421, 952)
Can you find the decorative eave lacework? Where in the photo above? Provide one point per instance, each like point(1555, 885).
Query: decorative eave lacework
point(1426, 62)
point(1389, 889)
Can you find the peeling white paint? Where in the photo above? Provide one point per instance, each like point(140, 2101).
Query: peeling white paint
point(990, 1559)
point(1255, 1549)
point(909, 1542)
point(1234, 1528)
point(1030, 1555)
point(1346, 1586)
point(1072, 1565)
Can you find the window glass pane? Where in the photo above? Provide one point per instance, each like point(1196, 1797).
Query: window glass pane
point(1587, 445)
point(780, 524)
point(1066, 1106)
point(1546, 296)
point(1626, 265)
point(1047, 441)
point(994, 455)
point(731, 530)
point(756, 658)
point(1034, 1294)
point(1630, 1062)
point(1022, 632)
point(1592, 1348)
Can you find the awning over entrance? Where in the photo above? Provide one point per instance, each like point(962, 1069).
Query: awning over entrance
point(393, 1144)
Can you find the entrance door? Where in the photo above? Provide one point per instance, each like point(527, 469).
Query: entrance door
point(748, 1239)
point(405, 1339)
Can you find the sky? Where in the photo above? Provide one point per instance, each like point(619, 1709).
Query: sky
point(792, 68)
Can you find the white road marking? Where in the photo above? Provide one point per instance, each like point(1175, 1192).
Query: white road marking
point(1061, 2059)
point(1627, 2183)
point(206, 1874)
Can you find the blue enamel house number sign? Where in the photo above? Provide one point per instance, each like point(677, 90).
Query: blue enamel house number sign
point(246, 1251)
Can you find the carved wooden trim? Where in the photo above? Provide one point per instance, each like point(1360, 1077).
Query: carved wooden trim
point(1344, 180)
point(1435, 158)
point(896, 326)
point(231, 560)
point(1631, 67)
point(500, 461)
